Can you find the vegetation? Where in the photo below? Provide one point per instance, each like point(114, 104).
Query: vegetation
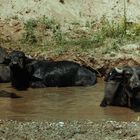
point(108, 35)
point(29, 36)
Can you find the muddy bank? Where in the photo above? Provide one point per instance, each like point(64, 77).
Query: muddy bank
point(70, 130)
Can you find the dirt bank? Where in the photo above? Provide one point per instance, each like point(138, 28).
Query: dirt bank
point(100, 44)
point(70, 130)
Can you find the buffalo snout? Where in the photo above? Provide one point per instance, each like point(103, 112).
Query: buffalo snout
point(16, 62)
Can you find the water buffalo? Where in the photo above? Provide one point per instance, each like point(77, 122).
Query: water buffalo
point(3, 55)
point(122, 87)
point(43, 73)
point(19, 73)
point(4, 68)
point(4, 73)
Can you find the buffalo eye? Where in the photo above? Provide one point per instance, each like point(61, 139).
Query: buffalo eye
point(128, 74)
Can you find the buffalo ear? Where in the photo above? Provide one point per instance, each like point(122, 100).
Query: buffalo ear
point(30, 68)
point(7, 60)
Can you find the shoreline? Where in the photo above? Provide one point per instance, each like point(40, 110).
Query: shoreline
point(69, 130)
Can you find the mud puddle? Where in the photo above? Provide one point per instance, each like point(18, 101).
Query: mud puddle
point(71, 103)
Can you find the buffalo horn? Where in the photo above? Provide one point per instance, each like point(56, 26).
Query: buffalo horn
point(119, 70)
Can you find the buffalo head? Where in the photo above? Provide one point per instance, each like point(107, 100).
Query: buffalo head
point(132, 85)
point(122, 87)
point(113, 86)
point(19, 73)
point(17, 59)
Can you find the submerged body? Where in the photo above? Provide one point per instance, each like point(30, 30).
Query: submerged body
point(60, 73)
point(44, 73)
point(122, 88)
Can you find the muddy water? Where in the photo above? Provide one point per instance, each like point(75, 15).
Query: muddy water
point(61, 104)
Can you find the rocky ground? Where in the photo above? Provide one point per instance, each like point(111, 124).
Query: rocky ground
point(69, 130)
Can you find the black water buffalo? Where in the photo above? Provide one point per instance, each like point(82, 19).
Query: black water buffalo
point(122, 87)
point(18, 71)
point(4, 73)
point(43, 73)
point(4, 68)
point(3, 55)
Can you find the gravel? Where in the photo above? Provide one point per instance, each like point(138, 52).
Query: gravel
point(69, 130)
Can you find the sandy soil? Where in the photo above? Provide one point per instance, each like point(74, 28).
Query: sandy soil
point(79, 10)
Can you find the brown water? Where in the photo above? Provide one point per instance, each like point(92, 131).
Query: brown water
point(71, 103)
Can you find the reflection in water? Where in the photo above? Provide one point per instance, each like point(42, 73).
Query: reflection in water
point(61, 104)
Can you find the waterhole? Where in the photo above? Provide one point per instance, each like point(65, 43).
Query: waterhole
point(66, 103)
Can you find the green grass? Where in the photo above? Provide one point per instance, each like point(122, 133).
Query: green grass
point(105, 34)
point(29, 36)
